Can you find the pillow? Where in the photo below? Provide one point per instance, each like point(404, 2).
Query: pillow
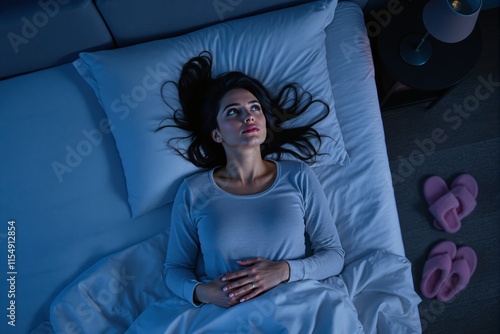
point(276, 48)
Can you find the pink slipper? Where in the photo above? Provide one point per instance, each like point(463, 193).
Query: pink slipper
point(444, 247)
point(437, 268)
point(462, 268)
point(443, 204)
point(465, 189)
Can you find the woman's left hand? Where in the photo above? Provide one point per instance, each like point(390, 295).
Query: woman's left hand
point(261, 275)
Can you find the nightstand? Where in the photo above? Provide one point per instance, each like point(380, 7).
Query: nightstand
point(400, 83)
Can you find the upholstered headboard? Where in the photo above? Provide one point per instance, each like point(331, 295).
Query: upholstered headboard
point(45, 33)
point(173, 18)
point(37, 34)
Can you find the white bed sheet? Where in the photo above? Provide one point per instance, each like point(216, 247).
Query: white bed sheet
point(377, 275)
point(361, 194)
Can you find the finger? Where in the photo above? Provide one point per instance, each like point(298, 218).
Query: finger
point(237, 284)
point(234, 275)
point(249, 262)
point(241, 292)
point(252, 294)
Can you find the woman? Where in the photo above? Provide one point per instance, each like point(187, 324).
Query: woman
point(240, 229)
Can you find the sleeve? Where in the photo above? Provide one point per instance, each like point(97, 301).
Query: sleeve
point(327, 257)
point(183, 247)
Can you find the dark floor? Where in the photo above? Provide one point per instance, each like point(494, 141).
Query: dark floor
point(470, 143)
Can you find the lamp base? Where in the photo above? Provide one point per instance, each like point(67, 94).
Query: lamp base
point(409, 52)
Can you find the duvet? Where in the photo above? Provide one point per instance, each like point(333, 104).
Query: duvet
point(126, 292)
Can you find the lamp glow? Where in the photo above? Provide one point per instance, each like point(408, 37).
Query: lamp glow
point(456, 5)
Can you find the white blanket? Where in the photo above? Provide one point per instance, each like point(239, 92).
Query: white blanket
point(301, 307)
point(126, 291)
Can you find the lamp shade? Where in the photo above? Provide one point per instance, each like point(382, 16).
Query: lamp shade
point(451, 21)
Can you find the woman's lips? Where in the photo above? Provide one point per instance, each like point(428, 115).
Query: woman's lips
point(251, 128)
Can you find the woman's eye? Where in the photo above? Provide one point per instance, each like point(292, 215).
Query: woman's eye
point(255, 107)
point(231, 112)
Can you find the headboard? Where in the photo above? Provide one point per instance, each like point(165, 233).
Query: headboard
point(57, 30)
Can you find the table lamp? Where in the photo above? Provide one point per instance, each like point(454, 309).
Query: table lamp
point(449, 21)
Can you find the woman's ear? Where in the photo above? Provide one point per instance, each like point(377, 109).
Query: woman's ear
point(216, 136)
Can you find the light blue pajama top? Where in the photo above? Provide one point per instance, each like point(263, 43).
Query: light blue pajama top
point(211, 229)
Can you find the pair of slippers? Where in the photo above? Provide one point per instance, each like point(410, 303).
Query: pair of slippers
point(450, 205)
point(447, 271)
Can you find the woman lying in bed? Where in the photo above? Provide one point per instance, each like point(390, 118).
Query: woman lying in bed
point(239, 230)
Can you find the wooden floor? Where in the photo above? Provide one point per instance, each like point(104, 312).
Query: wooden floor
point(469, 142)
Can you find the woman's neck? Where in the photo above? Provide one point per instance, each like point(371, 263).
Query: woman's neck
point(244, 168)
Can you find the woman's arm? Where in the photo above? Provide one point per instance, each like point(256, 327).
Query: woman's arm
point(182, 256)
point(182, 252)
point(328, 255)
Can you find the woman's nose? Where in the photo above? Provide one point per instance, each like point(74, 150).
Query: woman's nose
point(249, 117)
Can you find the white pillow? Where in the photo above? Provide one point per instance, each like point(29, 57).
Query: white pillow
point(276, 48)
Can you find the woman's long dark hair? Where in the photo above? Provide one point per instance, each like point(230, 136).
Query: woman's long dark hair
point(200, 96)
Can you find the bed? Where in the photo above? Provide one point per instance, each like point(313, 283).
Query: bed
point(86, 196)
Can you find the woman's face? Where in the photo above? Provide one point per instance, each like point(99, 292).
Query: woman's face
point(241, 120)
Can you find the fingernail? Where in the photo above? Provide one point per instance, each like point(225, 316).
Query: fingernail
point(242, 300)
point(224, 288)
point(223, 278)
point(231, 295)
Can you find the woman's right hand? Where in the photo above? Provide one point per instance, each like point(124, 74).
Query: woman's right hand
point(212, 293)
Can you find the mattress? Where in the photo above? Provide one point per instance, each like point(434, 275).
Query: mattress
point(63, 187)
point(361, 194)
